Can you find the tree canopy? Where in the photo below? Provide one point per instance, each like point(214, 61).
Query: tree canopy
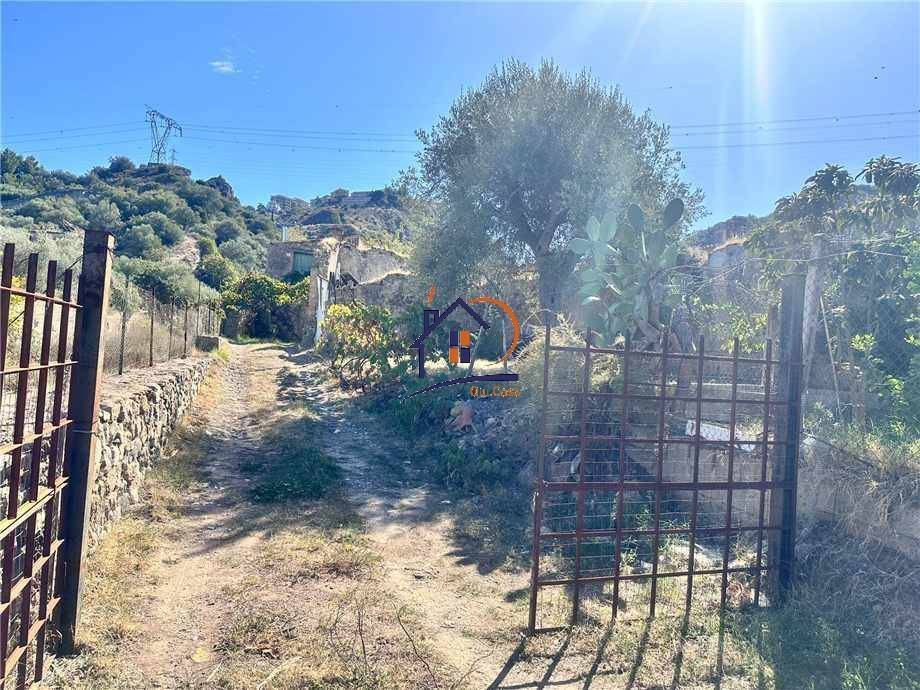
point(522, 161)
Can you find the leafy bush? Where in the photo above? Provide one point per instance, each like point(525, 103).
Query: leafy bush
point(477, 472)
point(264, 304)
point(363, 344)
point(216, 270)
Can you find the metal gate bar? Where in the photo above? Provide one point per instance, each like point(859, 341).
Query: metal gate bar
point(31, 437)
point(648, 475)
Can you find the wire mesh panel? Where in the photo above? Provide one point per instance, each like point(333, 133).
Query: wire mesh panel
point(37, 332)
point(663, 478)
point(145, 327)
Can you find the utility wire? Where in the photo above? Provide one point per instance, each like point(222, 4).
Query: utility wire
point(796, 143)
point(299, 146)
point(73, 129)
point(83, 146)
point(75, 136)
point(798, 119)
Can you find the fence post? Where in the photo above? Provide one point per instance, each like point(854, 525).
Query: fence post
point(786, 436)
point(185, 336)
point(172, 315)
point(93, 296)
point(153, 302)
point(198, 312)
point(124, 331)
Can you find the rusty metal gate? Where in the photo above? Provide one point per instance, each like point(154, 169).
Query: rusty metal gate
point(48, 407)
point(665, 478)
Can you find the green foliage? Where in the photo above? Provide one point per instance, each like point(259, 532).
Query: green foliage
point(624, 268)
point(264, 304)
point(477, 472)
point(522, 161)
point(102, 215)
point(57, 210)
point(363, 344)
point(166, 229)
point(246, 253)
point(147, 207)
point(216, 270)
point(227, 230)
point(294, 470)
point(140, 241)
point(168, 280)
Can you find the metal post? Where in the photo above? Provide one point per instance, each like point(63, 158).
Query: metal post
point(152, 309)
point(124, 331)
point(93, 296)
point(786, 438)
point(172, 314)
point(538, 494)
point(198, 312)
point(185, 334)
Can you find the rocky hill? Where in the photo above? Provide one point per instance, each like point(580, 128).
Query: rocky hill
point(165, 223)
point(381, 217)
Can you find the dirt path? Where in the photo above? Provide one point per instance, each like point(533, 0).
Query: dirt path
point(208, 544)
point(458, 605)
point(463, 606)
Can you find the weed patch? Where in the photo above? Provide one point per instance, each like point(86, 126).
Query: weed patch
point(293, 469)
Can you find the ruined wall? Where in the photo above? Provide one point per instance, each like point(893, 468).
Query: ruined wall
point(138, 414)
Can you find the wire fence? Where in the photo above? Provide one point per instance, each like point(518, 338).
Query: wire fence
point(144, 328)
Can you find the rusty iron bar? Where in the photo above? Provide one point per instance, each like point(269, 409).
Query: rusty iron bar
point(538, 493)
point(697, 436)
point(623, 430)
point(779, 483)
point(659, 473)
point(83, 409)
point(582, 462)
point(34, 470)
point(731, 477)
point(49, 550)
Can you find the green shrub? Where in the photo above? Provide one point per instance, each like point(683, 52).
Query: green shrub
point(363, 345)
point(265, 304)
point(478, 472)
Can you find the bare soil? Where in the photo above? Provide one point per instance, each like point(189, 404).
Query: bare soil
point(389, 582)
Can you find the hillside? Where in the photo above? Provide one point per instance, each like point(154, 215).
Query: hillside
point(164, 221)
point(382, 217)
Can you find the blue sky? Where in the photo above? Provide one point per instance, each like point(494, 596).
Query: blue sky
point(298, 99)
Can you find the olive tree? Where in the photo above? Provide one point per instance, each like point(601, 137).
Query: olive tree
point(521, 162)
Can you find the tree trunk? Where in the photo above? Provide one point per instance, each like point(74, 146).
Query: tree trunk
point(553, 269)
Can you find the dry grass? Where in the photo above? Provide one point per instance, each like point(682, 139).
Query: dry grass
point(333, 546)
point(118, 568)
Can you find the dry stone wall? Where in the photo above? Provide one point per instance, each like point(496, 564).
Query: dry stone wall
point(138, 414)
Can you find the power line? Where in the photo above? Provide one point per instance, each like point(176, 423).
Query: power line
point(76, 136)
point(303, 131)
point(300, 146)
point(762, 130)
point(84, 146)
point(72, 129)
point(796, 143)
point(798, 119)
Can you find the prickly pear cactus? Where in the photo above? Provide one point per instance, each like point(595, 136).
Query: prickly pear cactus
point(622, 270)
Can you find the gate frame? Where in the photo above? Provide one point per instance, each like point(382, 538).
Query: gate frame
point(85, 390)
point(52, 566)
point(781, 484)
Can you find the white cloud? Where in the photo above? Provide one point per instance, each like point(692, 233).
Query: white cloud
point(224, 67)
